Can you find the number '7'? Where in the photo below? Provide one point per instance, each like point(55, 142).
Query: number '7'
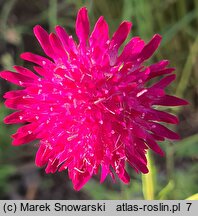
point(189, 205)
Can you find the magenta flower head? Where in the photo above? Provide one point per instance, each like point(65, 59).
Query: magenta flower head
point(89, 106)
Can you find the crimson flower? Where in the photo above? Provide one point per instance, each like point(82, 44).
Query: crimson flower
point(90, 106)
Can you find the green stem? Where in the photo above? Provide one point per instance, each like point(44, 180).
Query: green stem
point(148, 180)
point(170, 160)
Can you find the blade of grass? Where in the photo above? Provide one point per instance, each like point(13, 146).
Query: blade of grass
point(166, 190)
point(52, 14)
point(184, 80)
point(170, 160)
point(159, 14)
point(148, 187)
point(178, 26)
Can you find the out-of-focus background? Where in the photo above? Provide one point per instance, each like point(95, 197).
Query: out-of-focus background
point(173, 177)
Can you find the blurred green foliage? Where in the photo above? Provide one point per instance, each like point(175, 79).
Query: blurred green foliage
point(174, 176)
point(5, 172)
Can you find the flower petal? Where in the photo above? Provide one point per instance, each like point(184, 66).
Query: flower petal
point(169, 100)
point(15, 118)
point(134, 159)
point(16, 78)
point(42, 155)
point(41, 71)
point(157, 115)
point(25, 71)
point(80, 179)
point(132, 50)
point(100, 34)
point(159, 65)
point(120, 35)
point(160, 72)
point(39, 60)
point(57, 46)
point(164, 82)
point(24, 134)
point(150, 48)
point(19, 102)
point(65, 163)
point(118, 38)
point(163, 131)
point(82, 25)
point(14, 93)
point(153, 145)
point(43, 38)
point(104, 172)
point(66, 40)
point(52, 165)
point(124, 176)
